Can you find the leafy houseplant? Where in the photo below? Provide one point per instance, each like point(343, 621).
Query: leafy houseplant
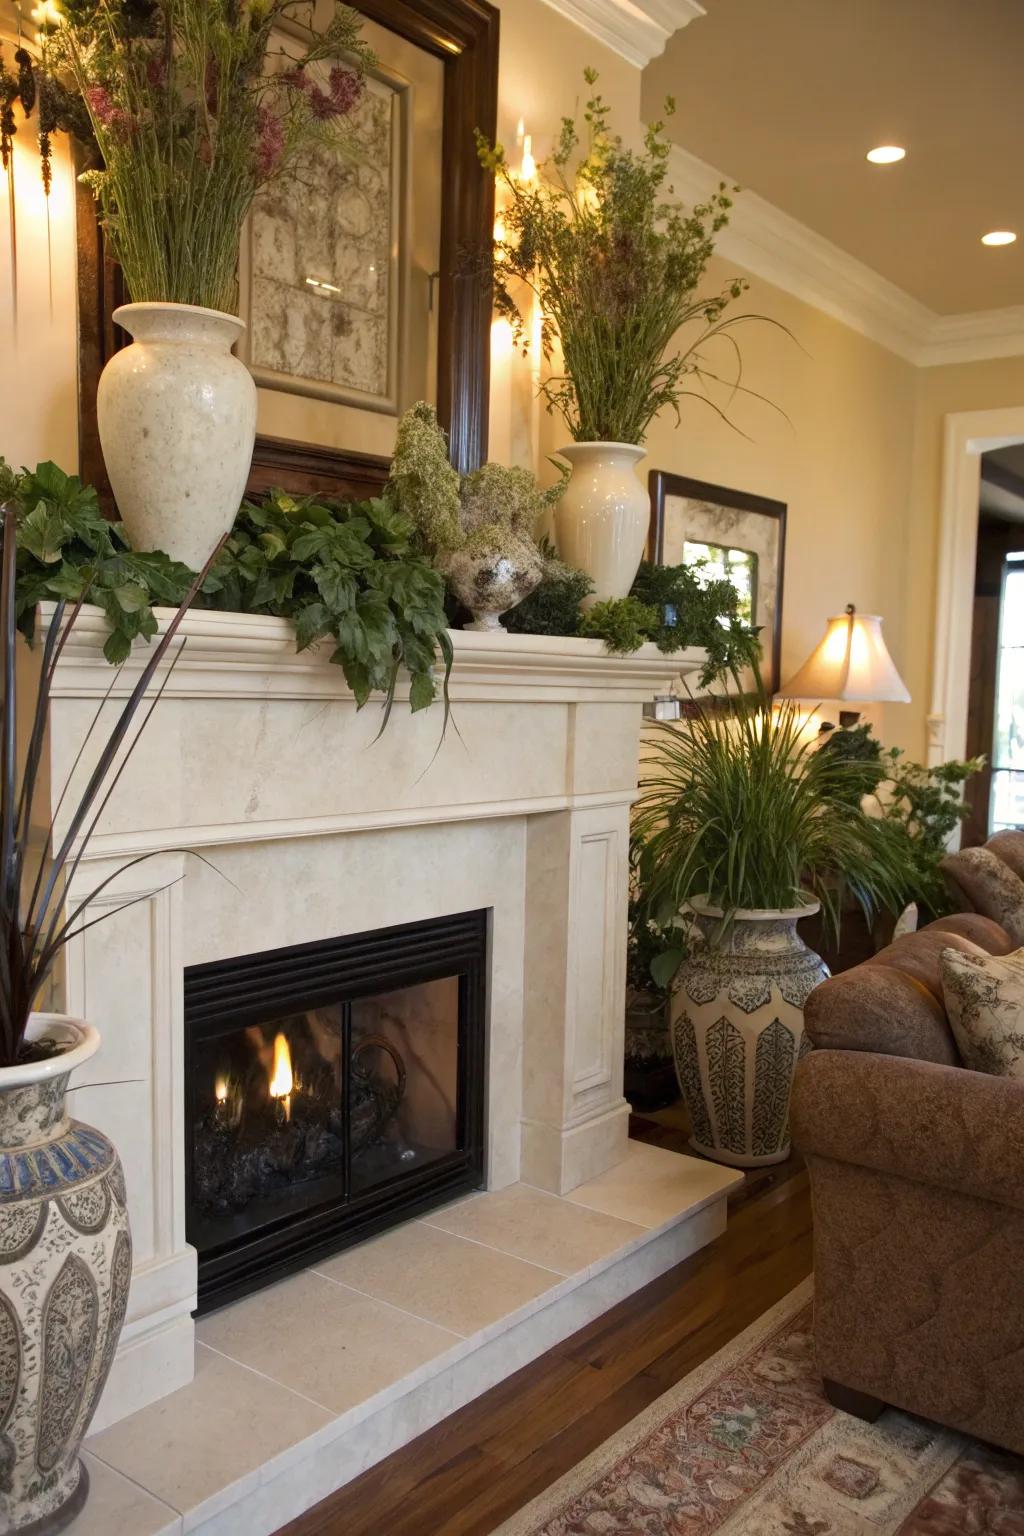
point(335, 570)
point(478, 528)
point(194, 104)
point(614, 263)
point(63, 1224)
point(749, 827)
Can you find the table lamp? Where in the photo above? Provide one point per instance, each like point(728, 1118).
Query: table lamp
point(852, 664)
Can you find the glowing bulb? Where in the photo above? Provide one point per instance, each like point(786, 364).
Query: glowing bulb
point(46, 14)
point(999, 237)
point(886, 154)
point(500, 232)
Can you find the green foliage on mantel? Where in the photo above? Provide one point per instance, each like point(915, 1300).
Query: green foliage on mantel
point(339, 571)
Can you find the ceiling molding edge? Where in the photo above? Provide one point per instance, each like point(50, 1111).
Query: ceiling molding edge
point(637, 30)
point(774, 246)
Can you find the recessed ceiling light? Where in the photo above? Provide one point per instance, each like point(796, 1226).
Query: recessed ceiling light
point(886, 154)
point(999, 237)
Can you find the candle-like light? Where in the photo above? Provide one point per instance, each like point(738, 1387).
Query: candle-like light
point(282, 1080)
point(220, 1090)
point(528, 169)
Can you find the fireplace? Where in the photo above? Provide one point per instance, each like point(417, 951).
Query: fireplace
point(334, 1089)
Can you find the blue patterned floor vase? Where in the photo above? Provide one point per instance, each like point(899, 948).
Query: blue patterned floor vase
point(738, 1030)
point(65, 1269)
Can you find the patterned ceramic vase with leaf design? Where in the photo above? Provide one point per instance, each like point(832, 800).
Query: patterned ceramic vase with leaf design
point(738, 1029)
point(65, 1269)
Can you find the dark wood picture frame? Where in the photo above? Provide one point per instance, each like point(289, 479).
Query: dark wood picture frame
point(662, 484)
point(464, 35)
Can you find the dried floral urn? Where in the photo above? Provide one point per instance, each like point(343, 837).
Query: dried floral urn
point(177, 422)
point(602, 521)
point(65, 1270)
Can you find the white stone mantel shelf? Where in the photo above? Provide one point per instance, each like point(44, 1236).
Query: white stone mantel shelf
point(234, 656)
point(314, 824)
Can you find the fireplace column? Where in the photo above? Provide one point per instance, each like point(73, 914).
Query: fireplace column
point(575, 1118)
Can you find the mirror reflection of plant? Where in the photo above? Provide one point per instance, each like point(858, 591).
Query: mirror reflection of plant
point(194, 107)
point(615, 263)
point(743, 809)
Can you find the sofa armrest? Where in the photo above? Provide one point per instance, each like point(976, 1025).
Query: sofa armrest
point(935, 1124)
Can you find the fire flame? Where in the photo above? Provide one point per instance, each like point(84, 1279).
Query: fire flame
point(281, 1079)
point(220, 1090)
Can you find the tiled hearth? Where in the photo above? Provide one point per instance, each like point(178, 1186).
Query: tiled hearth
point(304, 1385)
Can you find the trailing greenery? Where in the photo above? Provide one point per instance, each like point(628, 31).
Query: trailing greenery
point(923, 807)
point(68, 551)
point(345, 572)
point(622, 623)
point(338, 571)
point(615, 262)
point(552, 608)
point(744, 810)
point(672, 605)
point(195, 104)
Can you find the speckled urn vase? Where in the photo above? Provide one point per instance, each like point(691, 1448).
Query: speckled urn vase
point(492, 583)
point(602, 521)
point(177, 422)
point(738, 1030)
point(65, 1269)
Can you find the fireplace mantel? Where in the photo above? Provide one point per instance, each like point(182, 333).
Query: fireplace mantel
point(311, 827)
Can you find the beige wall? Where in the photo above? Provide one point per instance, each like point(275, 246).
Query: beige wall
point(857, 461)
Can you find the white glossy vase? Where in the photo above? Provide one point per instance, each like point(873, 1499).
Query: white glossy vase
point(65, 1271)
point(177, 422)
point(602, 521)
point(738, 1029)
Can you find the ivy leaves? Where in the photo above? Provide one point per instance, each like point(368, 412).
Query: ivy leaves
point(67, 549)
point(342, 572)
point(339, 572)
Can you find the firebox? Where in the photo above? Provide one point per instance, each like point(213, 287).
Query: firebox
point(333, 1089)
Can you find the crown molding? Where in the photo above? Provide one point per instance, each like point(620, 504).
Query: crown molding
point(774, 246)
point(635, 29)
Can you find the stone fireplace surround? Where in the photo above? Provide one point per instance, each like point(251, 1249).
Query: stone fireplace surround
point(309, 827)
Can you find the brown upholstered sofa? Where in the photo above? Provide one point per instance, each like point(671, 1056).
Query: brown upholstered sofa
point(917, 1178)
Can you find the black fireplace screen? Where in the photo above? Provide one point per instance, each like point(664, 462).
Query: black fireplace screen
point(334, 1089)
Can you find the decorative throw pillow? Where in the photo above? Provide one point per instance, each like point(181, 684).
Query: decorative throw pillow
point(990, 886)
point(985, 1002)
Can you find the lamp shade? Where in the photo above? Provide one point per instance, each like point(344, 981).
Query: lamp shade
point(852, 662)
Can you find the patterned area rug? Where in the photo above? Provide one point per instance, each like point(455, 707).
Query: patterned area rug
point(748, 1446)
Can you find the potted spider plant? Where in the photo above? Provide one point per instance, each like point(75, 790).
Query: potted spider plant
point(195, 106)
point(747, 827)
point(65, 1246)
point(613, 263)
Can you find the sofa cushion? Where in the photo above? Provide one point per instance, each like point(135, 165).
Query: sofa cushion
point(983, 931)
point(1009, 846)
point(879, 1008)
point(920, 955)
point(989, 886)
point(985, 1006)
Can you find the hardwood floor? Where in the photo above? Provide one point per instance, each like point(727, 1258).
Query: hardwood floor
point(471, 1472)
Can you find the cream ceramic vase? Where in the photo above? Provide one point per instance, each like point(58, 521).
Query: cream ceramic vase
point(177, 423)
point(602, 521)
point(738, 1029)
point(65, 1269)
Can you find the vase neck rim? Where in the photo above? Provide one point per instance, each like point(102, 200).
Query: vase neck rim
point(156, 321)
point(703, 907)
point(590, 449)
point(81, 1041)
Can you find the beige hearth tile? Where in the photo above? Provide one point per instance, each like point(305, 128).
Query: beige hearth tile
point(117, 1505)
point(205, 1443)
point(323, 1340)
point(652, 1185)
point(538, 1227)
point(457, 1284)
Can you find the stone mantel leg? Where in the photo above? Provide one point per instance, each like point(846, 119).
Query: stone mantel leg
point(575, 1119)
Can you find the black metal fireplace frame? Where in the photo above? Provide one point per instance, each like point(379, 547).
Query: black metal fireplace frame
point(226, 995)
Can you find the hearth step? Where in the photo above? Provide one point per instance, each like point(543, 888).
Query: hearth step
point(302, 1386)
